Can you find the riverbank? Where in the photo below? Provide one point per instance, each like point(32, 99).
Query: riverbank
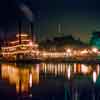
point(92, 61)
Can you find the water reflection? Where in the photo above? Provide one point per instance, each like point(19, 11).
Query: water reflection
point(94, 76)
point(69, 72)
point(69, 81)
point(67, 69)
point(21, 76)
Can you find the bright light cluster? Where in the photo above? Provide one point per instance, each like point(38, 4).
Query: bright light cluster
point(95, 50)
point(32, 48)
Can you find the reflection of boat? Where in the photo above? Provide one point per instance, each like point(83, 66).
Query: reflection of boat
point(36, 79)
point(21, 77)
point(23, 51)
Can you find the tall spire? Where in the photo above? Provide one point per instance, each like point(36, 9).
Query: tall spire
point(59, 28)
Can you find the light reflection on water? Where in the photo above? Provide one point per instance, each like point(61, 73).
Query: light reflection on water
point(69, 81)
point(94, 76)
point(69, 71)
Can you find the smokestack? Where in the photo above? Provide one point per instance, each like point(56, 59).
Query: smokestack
point(5, 36)
point(32, 32)
point(19, 28)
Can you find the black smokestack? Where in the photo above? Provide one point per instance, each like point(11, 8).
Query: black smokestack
point(19, 27)
point(5, 35)
point(32, 31)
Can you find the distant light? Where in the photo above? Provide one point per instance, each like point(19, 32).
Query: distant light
point(30, 95)
point(30, 43)
point(68, 50)
point(84, 51)
point(95, 50)
point(22, 35)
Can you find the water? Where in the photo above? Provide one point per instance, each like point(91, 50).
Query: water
point(50, 81)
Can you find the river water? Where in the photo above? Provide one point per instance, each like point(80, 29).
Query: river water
point(50, 81)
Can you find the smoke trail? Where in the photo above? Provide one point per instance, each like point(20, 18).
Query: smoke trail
point(27, 11)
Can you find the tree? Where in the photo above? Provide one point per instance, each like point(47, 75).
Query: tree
point(95, 39)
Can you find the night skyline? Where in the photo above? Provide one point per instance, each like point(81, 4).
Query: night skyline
point(77, 17)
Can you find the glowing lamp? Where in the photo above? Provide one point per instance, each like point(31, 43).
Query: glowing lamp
point(68, 50)
point(95, 50)
point(30, 43)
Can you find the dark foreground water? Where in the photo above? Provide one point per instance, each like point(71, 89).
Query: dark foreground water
point(49, 81)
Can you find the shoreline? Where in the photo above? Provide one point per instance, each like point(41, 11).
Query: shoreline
point(36, 61)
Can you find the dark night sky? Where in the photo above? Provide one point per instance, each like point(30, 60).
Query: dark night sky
point(77, 17)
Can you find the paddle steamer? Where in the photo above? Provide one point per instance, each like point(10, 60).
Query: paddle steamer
point(24, 50)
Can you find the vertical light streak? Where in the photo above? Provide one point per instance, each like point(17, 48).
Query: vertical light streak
point(94, 76)
point(69, 72)
point(30, 79)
